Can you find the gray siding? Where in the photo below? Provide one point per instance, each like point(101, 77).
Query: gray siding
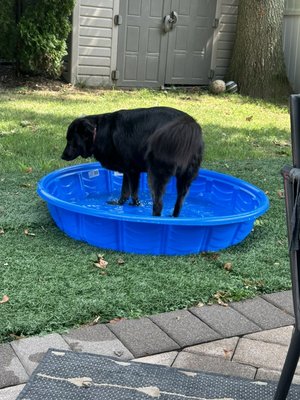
point(225, 36)
point(95, 37)
point(292, 42)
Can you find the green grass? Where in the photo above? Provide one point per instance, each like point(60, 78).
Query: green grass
point(50, 279)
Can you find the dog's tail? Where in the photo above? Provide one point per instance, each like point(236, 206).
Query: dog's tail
point(178, 142)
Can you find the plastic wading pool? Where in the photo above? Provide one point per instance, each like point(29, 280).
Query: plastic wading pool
point(218, 212)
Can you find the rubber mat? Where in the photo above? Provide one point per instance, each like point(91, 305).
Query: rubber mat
point(66, 375)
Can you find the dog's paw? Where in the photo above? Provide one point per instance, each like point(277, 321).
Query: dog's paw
point(135, 203)
point(115, 202)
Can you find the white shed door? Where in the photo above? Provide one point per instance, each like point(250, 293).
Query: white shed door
point(151, 53)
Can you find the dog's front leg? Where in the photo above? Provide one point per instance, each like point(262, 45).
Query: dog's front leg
point(134, 180)
point(125, 192)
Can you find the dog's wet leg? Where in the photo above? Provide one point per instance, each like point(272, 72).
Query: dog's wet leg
point(125, 192)
point(158, 186)
point(134, 180)
point(183, 184)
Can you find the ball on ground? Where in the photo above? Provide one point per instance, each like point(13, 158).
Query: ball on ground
point(231, 87)
point(218, 86)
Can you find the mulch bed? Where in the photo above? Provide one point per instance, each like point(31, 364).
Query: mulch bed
point(10, 79)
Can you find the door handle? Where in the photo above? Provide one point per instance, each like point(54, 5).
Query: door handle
point(169, 21)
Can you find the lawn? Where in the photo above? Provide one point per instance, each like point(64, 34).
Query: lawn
point(51, 280)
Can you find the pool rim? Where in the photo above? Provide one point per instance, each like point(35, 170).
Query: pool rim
point(264, 203)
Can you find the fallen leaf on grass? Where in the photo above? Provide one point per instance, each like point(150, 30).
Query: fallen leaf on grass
point(96, 320)
point(280, 194)
point(28, 170)
point(219, 296)
point(93, 322)
point(120, 261)
point(115, 320)
point(228, 266)
point(16, 337)
point(27, 233)
point(5, 299)
point(210, 255)
point(249, 118)
point(282, 143)
point(26, 185)
point(100, 263)
point(1, 231)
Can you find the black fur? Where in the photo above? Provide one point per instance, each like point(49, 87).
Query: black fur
point(162, 141)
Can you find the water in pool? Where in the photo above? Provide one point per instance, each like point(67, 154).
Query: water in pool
point(195, 206)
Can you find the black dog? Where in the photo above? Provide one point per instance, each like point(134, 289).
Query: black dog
point(161, 141)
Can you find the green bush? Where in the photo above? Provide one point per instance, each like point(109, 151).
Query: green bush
point(44, 28)
point(8, 31)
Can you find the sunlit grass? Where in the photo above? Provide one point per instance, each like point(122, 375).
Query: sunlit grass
point(33, 124)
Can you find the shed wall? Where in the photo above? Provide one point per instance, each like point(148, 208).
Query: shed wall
point(227, 14)
point(291, 44)
point(95, 41)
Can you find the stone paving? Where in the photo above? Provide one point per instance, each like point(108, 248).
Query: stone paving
point(247, 339)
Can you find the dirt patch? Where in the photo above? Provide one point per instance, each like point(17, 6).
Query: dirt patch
point(9, 79)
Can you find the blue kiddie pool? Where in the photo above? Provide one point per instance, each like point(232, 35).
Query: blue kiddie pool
point(218, 212)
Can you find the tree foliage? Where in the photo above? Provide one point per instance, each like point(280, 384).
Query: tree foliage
point(257, 63)
point(43, 31)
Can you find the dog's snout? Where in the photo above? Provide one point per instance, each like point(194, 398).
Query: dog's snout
point(67, 154)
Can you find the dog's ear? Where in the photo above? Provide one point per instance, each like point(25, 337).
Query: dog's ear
point(86, 129)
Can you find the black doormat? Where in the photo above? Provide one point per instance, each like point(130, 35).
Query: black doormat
point(65, 375)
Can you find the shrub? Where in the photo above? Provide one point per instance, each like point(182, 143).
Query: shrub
point(44, 28)
point(8, 31)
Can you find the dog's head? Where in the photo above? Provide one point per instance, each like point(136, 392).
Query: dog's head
point(80, 138)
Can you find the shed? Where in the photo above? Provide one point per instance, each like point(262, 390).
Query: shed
point(126, 43)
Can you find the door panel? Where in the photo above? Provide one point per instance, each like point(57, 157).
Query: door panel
point(147, 56)
point(190, 42)
point(140, 45)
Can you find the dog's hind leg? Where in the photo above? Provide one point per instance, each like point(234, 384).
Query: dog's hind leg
point(183, 183)
point(125, 192)
point(158, 185)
